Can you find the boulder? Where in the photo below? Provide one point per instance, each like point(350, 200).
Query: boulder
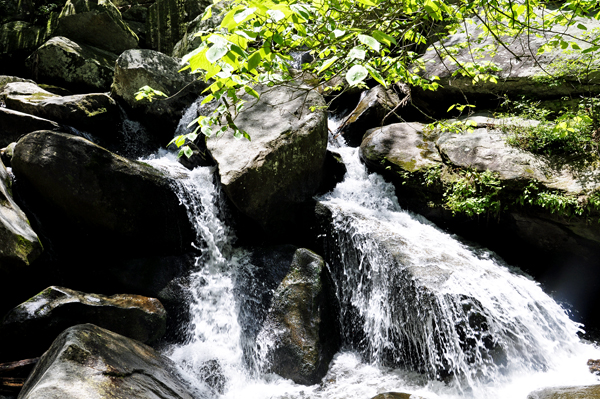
point(91, 199)
point(4, 79)
point(581, 392)
point(19, 36)
point(29, 329)
point(96, 22)
point(15, 124)
point(190, 41)
point(553, 74)
point(395, 395)
point(13, 376)
point(372, 111)
point(282, 166)
point(61, 61)
point(95, 113)
point(87, 361)
point(301, 332)
point(19, 244)
point(166, 23)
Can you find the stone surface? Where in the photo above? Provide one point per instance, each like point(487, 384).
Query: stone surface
point(90, 362)
point(15, 124)
point(190, 41)
point(37, 322)
point(95, 113)
point(370, 112)
point(90, 198)
point(580, 392)
point(20, 36)
point(301, 330)
point(19, 244)
point(282, 166)
point(96, 22)
point(61, 61)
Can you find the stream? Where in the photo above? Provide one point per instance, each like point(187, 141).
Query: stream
point(422, 312)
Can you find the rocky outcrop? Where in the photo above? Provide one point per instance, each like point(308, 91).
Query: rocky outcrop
point(37, 322)
point(190, 41)
point(15, 124)
point(78, 66)
point(91, 362)
point(96, 22)
point(581, 392)
point(301, 332)
point(91, 198)
point(19, 244)
point(282, 166)
point(94, 113)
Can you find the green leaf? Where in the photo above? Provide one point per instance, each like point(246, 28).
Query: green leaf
point(276, 15)
point(367, 2)
point(369, 41)
point(582, 26)
point(207, 13)
point(376, 75)
point(384, 38)
point(356, 74)
point(254, 60)
point(337, 33)
point(207, 99)
point(241, 15)
point(328, 63)
point(252, 92)
point(215, 53)
point(358, 53)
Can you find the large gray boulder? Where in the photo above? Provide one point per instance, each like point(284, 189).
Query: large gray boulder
point(87, 361)
point(300, 334)
point(96, 22)
point(15, 124)
point(94, 113)
point(78, 66)
point(28, 330)
point(19, 244)
point(580, 392)
point(89, 197)
point(282, 166)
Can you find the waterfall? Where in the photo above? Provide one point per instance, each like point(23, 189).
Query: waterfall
point(421, 311)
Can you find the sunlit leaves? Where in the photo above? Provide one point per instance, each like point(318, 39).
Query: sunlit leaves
point(356, 75)
point(369, 41)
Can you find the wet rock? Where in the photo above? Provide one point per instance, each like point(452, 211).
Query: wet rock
point(396, 395)
point(370, 112)
point(594, 366)
point(15, 124)
point(81, 67)
point(38, 321)
point(581, 392)
point(19, 244)
point(6, 154)
point(91, 362)
point(300, 334)
point(334, 171)
point(96, 22)
point(282, 166)
point(92, 199)
point(94, 113)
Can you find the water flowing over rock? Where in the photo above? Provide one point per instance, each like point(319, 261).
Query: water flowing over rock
point(37, 322)
point(301, 334)
point(95, 112)
point(19, 244)
point(91, 198)
point(282, 166)
point(87, 361)
point(96, 22)
point(78, 66)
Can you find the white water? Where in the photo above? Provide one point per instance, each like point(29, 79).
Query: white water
point(540, 341)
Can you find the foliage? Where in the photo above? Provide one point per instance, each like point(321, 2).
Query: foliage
point(558, 203)
point(148, 93)
point(473, 193)
point(357, 40)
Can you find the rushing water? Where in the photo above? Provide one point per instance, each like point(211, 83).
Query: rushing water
point(422, 312)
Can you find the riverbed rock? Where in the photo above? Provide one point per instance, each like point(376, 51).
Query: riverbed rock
point(301, 333)
point(96, 22)
point(15, 124)
point(282, 166)
point(92, 199)
point(19, 244)
point(37, 322)
point(64, 62)
point(580, 392)
point(190, 41)
point(395, 395)
point(95, 112)
point(374, 109)
point(87, 361)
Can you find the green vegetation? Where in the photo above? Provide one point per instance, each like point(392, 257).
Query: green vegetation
point(473, 193)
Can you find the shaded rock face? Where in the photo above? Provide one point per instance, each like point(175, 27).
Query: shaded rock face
point(19, 244)
point(522, 73)
point(87, 361)
point(395, 395)
point(370, 112)
point(301, 333)
point(77, 66)
point(190, 41)
point(282, 166)
point(581, 392)
point(37, 322)
point(90, 198)
point(97, 23)
point(94, 113)
point(15, 124)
